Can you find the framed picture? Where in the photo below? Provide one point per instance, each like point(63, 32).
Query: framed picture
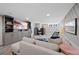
point(71, 26)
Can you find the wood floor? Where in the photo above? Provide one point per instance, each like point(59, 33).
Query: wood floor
point(6, 50)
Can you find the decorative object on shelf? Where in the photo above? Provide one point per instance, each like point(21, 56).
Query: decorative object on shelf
point(40, 31)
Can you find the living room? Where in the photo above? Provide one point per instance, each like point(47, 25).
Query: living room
point(39, 29)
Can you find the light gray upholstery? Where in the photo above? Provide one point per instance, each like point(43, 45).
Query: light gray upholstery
point(30, 49)
point(47, 45)
point(27, 46)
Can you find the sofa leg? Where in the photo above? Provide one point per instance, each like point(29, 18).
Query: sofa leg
point(14, 53)
point(60, 50)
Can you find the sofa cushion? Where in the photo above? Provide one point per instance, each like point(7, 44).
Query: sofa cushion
point(47, 45)
point(30, 49)
point(55, 41)
point(29, 40)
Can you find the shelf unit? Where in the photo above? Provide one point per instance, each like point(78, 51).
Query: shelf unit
point(8, 23)
point(7, 34)
point(6, 27)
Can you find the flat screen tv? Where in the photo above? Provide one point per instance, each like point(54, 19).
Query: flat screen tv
point(22, 25)
point(71, 26)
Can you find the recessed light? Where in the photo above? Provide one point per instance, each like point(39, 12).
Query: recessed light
point(27, 18)
point(47, 14)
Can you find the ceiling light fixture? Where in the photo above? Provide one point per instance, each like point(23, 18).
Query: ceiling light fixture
point(27, 18)
point(47, 14)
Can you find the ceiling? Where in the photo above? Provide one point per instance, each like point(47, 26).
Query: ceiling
point(36, 12)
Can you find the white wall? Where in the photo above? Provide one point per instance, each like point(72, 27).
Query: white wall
point(0, 30)
point(73, 13)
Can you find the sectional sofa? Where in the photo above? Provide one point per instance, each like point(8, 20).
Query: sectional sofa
point(30, 46)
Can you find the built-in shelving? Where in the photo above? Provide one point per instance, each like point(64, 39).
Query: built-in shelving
point(9, 23)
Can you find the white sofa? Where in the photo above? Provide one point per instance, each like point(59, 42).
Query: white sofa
point(30, 46)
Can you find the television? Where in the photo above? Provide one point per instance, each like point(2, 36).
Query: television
point(71, 26)
point(21, 26)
